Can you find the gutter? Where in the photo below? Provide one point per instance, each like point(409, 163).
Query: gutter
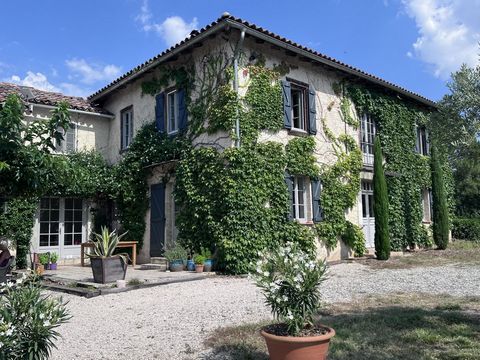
point(161, 59)
point(73, 110)
point(307, 54)
point(235, 85)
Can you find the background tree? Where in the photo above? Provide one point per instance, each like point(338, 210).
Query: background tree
point(380, 205)
point(440, 208)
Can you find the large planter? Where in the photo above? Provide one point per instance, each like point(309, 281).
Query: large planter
point(176, 265)
point(190, 265)
point(106, 270)
point(207, 266)
point(298, 348)
point(199, 268)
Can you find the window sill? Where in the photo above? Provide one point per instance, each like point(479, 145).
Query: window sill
point(297, 132)
point(426, 222)
point(305, 222)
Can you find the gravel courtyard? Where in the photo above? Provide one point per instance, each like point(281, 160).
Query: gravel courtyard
point(172, 321)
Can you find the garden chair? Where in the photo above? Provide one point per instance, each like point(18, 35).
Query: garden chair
point(6, 269)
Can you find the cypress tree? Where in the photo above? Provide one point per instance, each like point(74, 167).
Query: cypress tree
point(440, 211)
point(380, 204)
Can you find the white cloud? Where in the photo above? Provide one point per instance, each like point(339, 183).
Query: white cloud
point(449, 33)
point(92, 73)
point(172, 30)
point(36, 80)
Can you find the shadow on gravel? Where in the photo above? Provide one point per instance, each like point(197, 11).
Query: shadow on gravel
point(441, 330)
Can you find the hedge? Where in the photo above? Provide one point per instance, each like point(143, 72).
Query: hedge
point(466, 229)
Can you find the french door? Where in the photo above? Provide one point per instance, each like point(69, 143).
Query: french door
point(368, 218)
point(61, 226)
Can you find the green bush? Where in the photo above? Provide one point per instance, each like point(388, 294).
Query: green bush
point(28, 320)
point(441, 224)
point(354, 238)
point(466, 229)
point(380, 205)
point(176, 253)
point(199, 259)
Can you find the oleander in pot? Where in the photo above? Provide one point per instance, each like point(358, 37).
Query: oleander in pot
point(53, 260)
point(107, 267)
point(175, 257)
point(199, 263)
point(289, 279)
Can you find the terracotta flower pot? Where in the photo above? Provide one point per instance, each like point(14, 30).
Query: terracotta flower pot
point(40, 269)
point(298, 348)
point(198, 268)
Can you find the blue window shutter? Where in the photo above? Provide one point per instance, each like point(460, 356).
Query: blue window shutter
point(160, 112)
point(417, 139)
point(182, 110)
point(312, 111)
point(428, 142)
point(289, 182)
point(316, 206)
point(122, 144)
point(287, 104)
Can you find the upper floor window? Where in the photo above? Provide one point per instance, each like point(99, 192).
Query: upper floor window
point(69, 143)
point(299, 107)
point(367, 137)
point(172, 112)
point(422, 143)
point(126, 127)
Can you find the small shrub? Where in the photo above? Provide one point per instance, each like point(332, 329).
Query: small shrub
point(53, 257)
point(43, 259)
point(354, 238)
point(199, 259)
point(28, 320)
point(466, 229)
point(289, 278)
point(176, 253)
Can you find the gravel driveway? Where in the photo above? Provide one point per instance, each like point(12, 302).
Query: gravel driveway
point(171, 321)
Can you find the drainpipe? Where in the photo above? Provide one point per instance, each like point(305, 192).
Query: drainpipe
point(235, 84)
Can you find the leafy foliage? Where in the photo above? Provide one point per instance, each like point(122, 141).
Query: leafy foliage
point(380, 205)
point(28, 321)
point(354, 238)
point(289, 278)
point(300, 157)
point(176, 253)
point(441, 224)
point(466, 229)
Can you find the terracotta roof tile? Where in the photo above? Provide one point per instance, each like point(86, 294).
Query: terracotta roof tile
point(42, 97)
point(227, 18)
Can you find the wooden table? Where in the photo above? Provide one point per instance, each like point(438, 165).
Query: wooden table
point(121, 244)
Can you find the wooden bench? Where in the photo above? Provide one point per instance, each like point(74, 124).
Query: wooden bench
point(121, 244)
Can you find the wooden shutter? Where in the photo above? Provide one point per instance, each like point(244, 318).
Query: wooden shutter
point(312, 111)
point(316, 206)
point(289, 182)
point(287, 104)
point(160, 112)
point(417, 139)
point(182, 110)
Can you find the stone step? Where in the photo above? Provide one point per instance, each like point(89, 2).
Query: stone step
point(158, 260)
point(160, 267)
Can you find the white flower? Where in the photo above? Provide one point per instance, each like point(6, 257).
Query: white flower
point(46, 323)
point(41, 316)
point(266, 273)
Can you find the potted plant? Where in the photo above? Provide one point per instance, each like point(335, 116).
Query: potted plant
point(207, 254)
point(43, 263)
point(190, 264)
point(107, 267)
point(289, 278)
point(53, 260)
point(175, 257)
point(199, 262)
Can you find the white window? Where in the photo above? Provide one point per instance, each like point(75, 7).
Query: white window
point(172, 112)
point(299, 197)
point(427, 205)
point(126, 127)
point(367, 137)
point(73, 222)
point(422, 144)
point(299, 107)
point(49, 222)
point(69, 143)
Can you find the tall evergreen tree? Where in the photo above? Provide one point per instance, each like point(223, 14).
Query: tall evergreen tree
point(440, 210)
point(380, 205)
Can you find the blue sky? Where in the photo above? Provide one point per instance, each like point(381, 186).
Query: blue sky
point(78, 46)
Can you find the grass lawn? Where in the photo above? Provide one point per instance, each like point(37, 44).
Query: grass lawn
point(458, 252)
point(398, 326)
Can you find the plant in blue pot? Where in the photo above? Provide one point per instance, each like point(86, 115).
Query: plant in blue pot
point(207, 254)
point(175, 257)
point(190, 264)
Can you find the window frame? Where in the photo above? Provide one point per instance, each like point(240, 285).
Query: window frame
point(295, 199)
point(427, 203)
point(368, 131)
point(62, 148)
point(423, 145)
point(126, 137)
point(174, 93)
point(303, 89)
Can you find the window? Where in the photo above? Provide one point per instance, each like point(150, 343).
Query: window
point(427, 205)
point(367, 137)
point(172, 112)
point(299, 107)
point(367, 199)
point(49, 221)
point(299, 197)
point(73, 222)
point(422, 144)
point(126, 127)
point(69, 143)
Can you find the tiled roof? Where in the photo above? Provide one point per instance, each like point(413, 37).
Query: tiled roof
point(257, 31)
point(36, 96)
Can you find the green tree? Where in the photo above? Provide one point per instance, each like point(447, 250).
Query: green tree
point(380, 205)
point(440, 209)
point(467, 181)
